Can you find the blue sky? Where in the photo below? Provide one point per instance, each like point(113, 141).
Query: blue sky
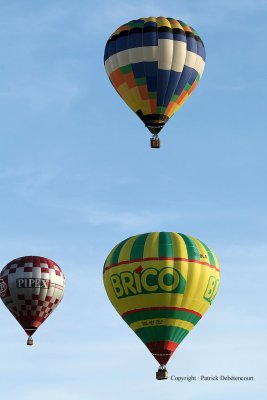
point(77, 176)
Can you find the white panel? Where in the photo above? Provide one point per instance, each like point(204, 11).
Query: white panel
point(171, 54)
point(179, 56)
point(131, 56)
point(165, 53)
point(200, 65)
point(146, 53)
point(135, 55)
point(108, 67)
point(190, 60)
point(122, 58)
point(36, 274)
point(150, 53)
point(113, 62)
point(195, 61)
point(13, 289)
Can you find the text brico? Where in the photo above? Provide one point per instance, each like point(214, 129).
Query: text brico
point(33, 283)
point(211, 289)
point(150, 280)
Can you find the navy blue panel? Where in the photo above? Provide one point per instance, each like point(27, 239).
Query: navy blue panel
point(135, 40)
point(180, 37)
point(172, 85)
point(106, 53)
point(151, 71)
point(201, 50)
point(165, 35)
point(151, 82)
point(150, 38)
point(122, 43)
point(150, 24)
point(163, 79)
point(185, 77)
point(164, 76)
point(108, 49)
point(112, 47)
point(191, 44)
point(193, 76)
point(139, 69)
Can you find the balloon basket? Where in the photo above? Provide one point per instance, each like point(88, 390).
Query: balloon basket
point(154, 143)
point(30, 341)
point(162, 373)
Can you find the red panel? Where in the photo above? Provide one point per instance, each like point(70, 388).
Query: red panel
point(162, 308)
point(162, 350)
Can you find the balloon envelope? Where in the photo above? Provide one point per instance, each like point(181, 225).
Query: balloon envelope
point(31, 287)
point(161, 283)
point(154, 64)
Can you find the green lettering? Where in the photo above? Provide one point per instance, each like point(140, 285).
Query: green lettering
point(127, 281)
point(144, 278)
point(168, 279)
point(116, 284)
point(211, 289)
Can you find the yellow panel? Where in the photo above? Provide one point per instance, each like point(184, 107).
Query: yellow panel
point(179, 247)
point(197, 280)
point(216, 260)
point(179, 323)
point(151, 19)
point(151, 245)
point(125, 94)
point(204, 256)
point(162, 21)
point(126, 249)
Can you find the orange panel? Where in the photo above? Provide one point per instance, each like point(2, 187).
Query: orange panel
point(143, 92)
point(192, 88)
point(129, 79)
point(153, 105)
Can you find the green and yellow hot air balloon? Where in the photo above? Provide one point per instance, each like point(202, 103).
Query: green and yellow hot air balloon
point(161, 284)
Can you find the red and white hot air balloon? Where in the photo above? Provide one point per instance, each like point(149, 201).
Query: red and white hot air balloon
point(31, 287)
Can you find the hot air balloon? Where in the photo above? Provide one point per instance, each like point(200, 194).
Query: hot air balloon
point(31, 287)
point(161, 284)
point(154, 64)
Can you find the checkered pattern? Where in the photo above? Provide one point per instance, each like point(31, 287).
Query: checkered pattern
point(32, 305)
point(38, 309)
point(29, 263)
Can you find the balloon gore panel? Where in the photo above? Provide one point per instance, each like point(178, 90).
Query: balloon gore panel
point(161, 283)
point(31, 288)
point(154, 64)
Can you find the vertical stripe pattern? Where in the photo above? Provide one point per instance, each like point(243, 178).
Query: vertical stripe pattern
point(161, 283)
point(154, 64)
